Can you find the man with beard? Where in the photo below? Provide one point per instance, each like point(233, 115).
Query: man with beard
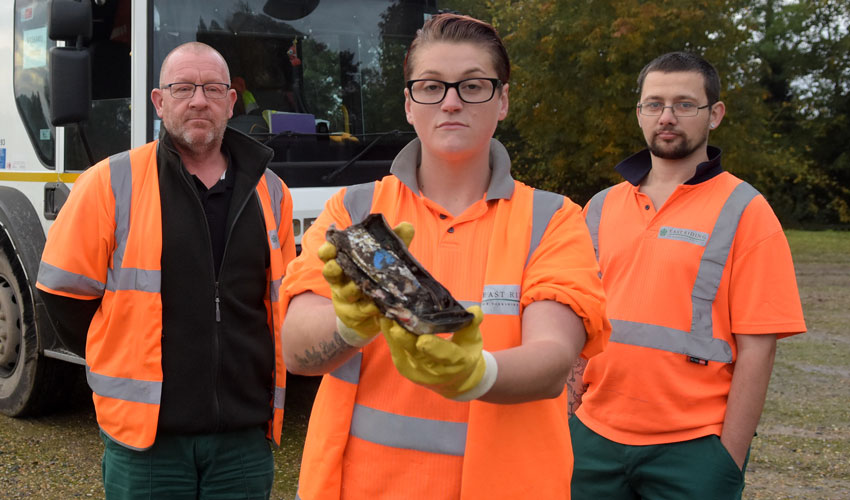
point(700, 284)
point(165, 265)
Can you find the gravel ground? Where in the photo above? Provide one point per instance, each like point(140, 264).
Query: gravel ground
point(53, 457)
point(58, 456)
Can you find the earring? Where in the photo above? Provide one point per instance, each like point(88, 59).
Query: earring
point(712, 125)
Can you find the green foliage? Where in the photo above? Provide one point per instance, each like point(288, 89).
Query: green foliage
point(784, 66)
point(805, 73)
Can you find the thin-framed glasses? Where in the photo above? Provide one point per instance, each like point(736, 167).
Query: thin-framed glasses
point(655, 108)
point(471, 90)
point(186, 90)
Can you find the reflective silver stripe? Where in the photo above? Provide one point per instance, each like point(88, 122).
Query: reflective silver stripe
point(121, 179)
point(350, 370)
point(275, 186)
point(134, 279)
point(671, 340)
point(699, 342)
point(410, 433)
point(63, 281)
point(274, 240)
point(118, 277)
point(358, 201)
point(594, 215)
point(544, 207)
point(274, 290)
point(125, 389)
point(714, 258)
point(279, 397)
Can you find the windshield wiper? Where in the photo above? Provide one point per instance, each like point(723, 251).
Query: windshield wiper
point(327, 178)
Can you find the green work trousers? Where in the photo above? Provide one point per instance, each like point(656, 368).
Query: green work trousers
point(700, 468)
point(231, 465)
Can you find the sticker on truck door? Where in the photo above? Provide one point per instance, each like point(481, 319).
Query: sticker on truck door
point(35, 48)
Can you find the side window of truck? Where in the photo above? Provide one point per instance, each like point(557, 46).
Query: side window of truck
point(30, 76)
point(108, 127)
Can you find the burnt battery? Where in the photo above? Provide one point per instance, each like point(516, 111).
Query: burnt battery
point(378, 261)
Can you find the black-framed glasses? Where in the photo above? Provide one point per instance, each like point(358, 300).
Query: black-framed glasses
point(656, 108)
point(471, 90)
point(186, 90)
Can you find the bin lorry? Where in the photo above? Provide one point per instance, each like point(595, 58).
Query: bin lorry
point(320, 82)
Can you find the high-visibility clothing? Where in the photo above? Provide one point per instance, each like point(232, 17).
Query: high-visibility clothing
point(680, 281)
point(116, 255)
point(373, 433)
point(249, 101)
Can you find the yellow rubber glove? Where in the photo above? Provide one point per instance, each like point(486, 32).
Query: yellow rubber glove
point(357, 315)
point(457, 368)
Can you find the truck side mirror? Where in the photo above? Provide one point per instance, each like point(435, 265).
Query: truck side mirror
point(70, 85)
point(69, 19)
point(70, 66)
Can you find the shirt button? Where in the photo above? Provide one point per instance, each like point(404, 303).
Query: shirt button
point(443, 216)
point(646, 207)
point(451, 229)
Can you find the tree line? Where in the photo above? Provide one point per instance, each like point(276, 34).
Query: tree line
point(784, 65)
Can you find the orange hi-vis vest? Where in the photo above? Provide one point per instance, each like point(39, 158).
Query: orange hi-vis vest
point(123, 345)
point(433, 446)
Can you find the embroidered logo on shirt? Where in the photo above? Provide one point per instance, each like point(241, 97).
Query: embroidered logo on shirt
point(501, 299)
point(686, 235)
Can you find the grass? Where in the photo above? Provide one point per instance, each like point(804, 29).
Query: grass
point(803, 446)
point(299, 401)
point(802, 450)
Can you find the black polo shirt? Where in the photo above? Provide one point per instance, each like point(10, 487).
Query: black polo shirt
point(216, 202)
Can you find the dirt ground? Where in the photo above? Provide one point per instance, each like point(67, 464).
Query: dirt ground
point(58, 456)
point(803, 447)
point(802, 450)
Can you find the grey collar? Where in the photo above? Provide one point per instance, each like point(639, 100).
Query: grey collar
point(501, 183)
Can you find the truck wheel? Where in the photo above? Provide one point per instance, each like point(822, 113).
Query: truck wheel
point(30, 384)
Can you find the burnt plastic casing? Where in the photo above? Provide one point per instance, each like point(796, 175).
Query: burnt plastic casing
point(378, 261)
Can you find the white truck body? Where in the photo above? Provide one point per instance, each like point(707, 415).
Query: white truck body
point(326, 76)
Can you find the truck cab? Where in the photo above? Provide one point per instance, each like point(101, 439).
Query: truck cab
point(319, 81)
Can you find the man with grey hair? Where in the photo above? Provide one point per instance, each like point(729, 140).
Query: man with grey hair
point(179, 249)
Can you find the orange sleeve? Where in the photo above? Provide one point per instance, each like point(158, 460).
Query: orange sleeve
point(304, 273)
point(82, 238)
point(564, 269)
point(763, 296)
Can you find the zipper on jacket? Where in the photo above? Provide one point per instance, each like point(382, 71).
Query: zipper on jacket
point(217, 304)
point(216, 361)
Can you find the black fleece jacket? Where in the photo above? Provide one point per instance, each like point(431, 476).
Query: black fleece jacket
point(217, 350)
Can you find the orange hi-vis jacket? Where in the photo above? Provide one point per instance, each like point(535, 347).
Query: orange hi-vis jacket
point(682, 282)
point(120, 262)
point(375, 434)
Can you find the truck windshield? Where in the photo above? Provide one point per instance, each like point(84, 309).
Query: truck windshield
point(319, 81)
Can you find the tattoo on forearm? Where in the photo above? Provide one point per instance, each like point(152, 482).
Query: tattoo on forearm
point(575, 386)
point(324, 352)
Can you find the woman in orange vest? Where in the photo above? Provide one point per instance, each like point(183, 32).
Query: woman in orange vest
point(480, 413)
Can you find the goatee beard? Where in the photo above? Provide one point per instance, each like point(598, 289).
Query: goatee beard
point(202, 144)
point(682, 150)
